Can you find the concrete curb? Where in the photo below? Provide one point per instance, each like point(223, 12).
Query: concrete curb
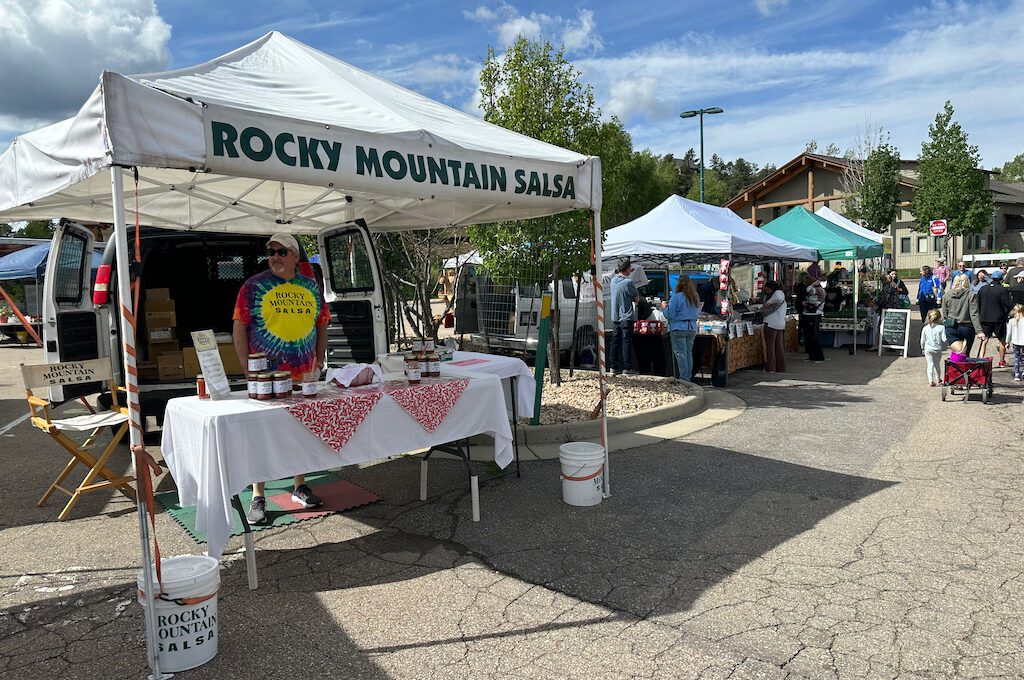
point(581, 431)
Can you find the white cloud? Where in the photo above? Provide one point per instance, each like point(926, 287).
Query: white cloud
point(578, 34)
point(776, 100)
point(769, 7)
point(53, 52)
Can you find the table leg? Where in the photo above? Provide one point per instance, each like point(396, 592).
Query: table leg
point(513, 383)
point(250, 546)
point(474, 494)
point(423, 479)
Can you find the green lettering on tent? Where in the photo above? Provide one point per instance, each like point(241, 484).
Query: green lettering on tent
point(556, 182)
point(224, 137)
point(470, 177)
point(308, 154)
point(498, 180)
point(333, 150)
point(394, 165)
point(367, 162)
point(455, 165)
point(282, 155)
point(520, 181)
point(417, 170)
point(266, 148)
point(570, 188)
point(534, 187)
point(438, 170)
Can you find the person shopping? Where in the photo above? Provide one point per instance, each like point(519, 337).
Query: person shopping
point(682, 325)
point(1015, 340)
point(813, 305)
point(960, 312)
point(929, 292)
point(994, 303)
point(773, 312)
point(933, 342)
point(624, 296)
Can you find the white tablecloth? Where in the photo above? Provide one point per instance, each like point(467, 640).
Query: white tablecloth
point(215, 449)
point(502, 367)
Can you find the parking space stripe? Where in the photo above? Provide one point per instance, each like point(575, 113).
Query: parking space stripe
point(14, 423)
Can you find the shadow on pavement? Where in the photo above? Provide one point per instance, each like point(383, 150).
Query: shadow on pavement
point(680, 519)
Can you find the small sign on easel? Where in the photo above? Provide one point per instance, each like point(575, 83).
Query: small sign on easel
point(217, 384)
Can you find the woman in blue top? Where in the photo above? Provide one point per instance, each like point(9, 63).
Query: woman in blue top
point(682, 324)
point(929, 292)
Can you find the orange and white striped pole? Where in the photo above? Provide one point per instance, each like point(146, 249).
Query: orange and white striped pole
point(131, 383)
point(602, 364)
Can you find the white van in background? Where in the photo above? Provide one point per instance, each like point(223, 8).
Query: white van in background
point(203, 272)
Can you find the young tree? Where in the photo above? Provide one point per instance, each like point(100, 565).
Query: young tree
point(950, 185)
point(1013, 170)
point(880, 193)
point(868, 138)
point(37, 229)
point(716, 189)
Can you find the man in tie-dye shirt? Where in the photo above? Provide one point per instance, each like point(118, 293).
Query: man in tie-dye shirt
point(282, 313)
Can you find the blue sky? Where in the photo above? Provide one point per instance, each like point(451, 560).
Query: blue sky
point(785, 71)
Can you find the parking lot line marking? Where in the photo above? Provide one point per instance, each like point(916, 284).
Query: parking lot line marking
point(14, 423)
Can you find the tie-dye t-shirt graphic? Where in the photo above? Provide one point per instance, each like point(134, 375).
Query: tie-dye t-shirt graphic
point(281, 318)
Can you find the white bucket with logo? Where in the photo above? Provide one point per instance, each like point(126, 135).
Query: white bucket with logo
point(186, 611)
point(582, 472)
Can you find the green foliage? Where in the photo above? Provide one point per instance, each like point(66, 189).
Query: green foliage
point(37, 229)
point(535, 91)
point(950, 186)
point(1012, 171)
point(879, 195)
point(6, 229)
point(716, 188)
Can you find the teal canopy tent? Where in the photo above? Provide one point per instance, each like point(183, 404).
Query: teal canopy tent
point(830, 240)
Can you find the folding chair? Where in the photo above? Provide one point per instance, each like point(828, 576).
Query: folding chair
point(69, 373)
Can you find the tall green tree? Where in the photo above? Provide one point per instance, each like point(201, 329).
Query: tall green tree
point(1013, 170)
point(6, 229)
point(534, 90)
point(716, 189)
point(950, 184)
point(37, 229)
point(876, 199)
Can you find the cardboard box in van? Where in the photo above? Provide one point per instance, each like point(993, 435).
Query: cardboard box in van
point(155, 349)
point(171, 366)
point(191, 362)
point(161, 334)
point(161, 320)
point(158, 294)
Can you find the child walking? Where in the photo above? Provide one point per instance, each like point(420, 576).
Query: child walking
point(933, 341)
point(1015, 339)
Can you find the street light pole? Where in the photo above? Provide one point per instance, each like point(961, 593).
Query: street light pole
point(700, 113)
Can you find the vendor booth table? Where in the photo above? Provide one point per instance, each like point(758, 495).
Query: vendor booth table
point(215, 449)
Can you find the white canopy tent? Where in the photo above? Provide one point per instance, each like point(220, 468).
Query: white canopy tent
point(848, 224)
point(681, 230)
point(277, 135)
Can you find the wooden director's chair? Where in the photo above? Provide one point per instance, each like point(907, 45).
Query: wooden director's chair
point(70, 373)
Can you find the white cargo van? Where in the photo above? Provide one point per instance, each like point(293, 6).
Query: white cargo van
point(203, 272)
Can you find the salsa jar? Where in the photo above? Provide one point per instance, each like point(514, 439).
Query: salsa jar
point(282, 384)
point(257, 362)
point(201, 387)
point(254, 390)
point(264, 386)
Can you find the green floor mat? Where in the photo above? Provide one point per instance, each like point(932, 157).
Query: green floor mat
point(337, 493)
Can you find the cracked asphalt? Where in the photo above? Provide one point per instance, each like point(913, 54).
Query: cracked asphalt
point(848, 524)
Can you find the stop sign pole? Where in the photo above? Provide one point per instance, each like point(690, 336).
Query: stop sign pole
point(940, 228)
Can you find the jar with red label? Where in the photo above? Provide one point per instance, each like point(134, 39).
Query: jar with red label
point(201, 387)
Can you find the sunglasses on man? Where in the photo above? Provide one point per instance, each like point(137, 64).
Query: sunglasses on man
point(280, 252)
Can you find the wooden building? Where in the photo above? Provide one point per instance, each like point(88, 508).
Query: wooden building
point(814, 180)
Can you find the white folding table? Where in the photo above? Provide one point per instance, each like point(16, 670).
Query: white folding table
point(215, 449)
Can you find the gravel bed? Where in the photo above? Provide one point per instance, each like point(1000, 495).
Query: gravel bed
point(576, 397)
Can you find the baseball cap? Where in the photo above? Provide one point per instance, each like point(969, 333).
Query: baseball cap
point(996, 275)
point(285, 239)
point(940, 259)
point(1019, 275)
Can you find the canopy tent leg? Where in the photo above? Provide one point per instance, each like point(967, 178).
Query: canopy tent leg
point(595, 267)
point(856, 300)
point(134, 412)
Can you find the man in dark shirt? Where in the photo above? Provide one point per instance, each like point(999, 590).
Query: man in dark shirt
point(1017, 288)
point(994, 304)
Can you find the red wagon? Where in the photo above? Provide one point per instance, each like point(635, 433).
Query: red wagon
point(967, 375)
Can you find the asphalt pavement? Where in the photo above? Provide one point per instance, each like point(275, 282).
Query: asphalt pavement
point(847, 524)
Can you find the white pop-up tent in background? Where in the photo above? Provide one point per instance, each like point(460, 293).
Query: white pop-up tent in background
point(278, 133)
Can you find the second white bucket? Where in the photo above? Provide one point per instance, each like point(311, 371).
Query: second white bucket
point(186, 611)
point(582, 472)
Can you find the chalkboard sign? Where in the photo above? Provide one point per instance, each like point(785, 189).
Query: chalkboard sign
point(895, 331)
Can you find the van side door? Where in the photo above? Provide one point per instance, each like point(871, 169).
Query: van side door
point(71, 327)
point(354, 293)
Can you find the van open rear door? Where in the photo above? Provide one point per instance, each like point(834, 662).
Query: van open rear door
point(353, 290)
point(71, 328)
